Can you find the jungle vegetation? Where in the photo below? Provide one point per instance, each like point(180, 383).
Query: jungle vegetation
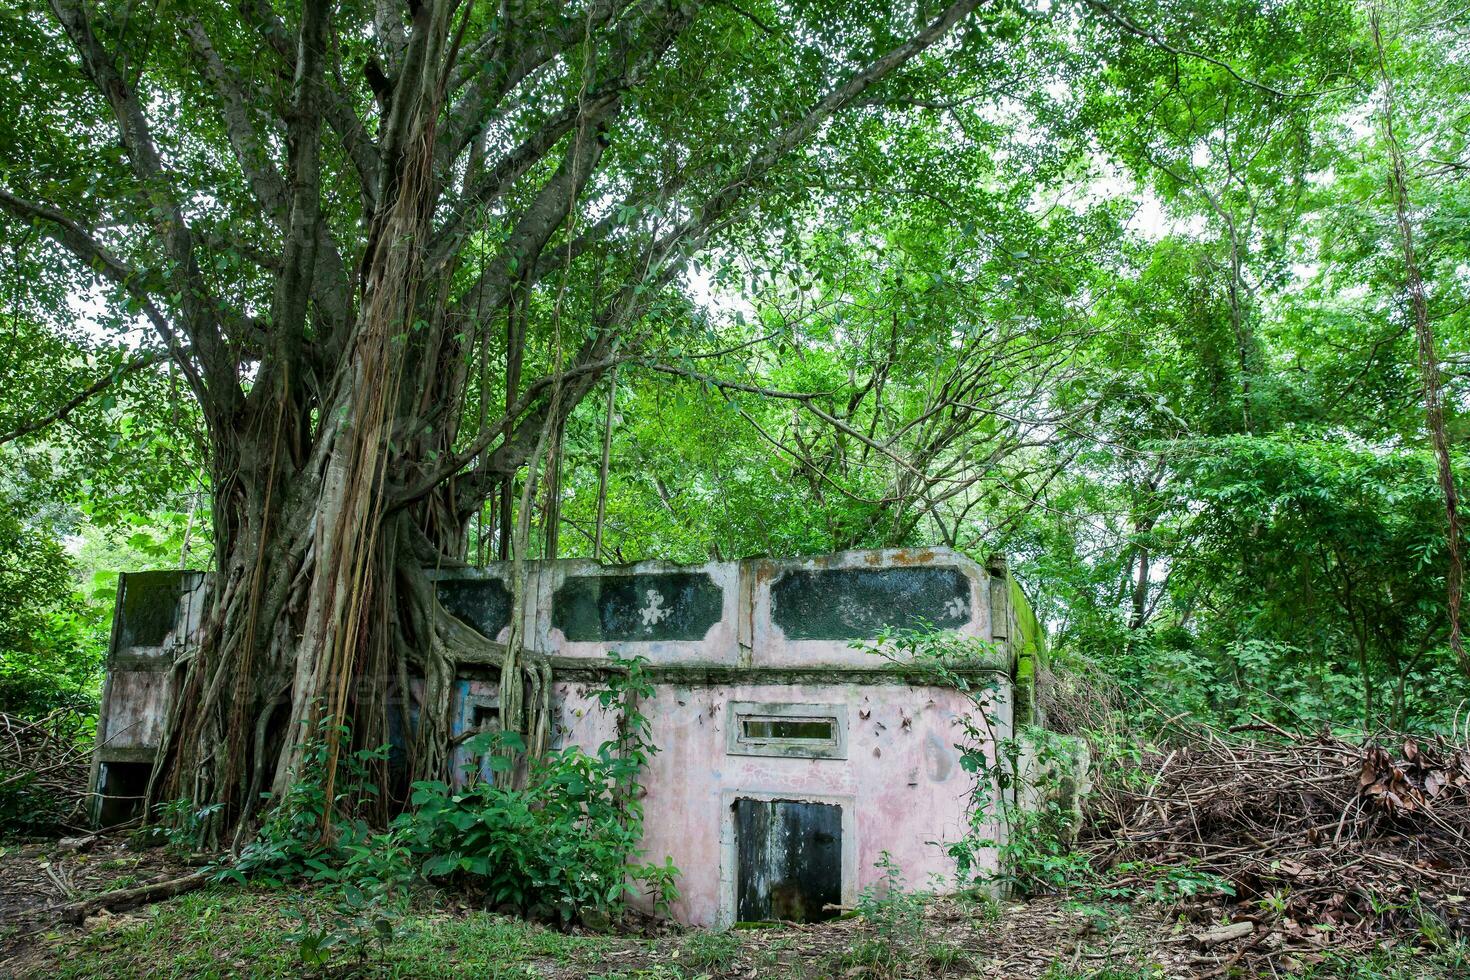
point(1168, 303)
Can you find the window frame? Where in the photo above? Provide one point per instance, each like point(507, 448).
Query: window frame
point(738, 713)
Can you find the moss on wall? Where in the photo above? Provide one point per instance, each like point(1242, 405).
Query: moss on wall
point(150, 607)
point(1028, 650)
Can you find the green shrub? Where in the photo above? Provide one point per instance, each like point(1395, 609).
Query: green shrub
point(367, 897)
point(895, 914)
point(51, 644)
point(564, 842)
point(180, 826)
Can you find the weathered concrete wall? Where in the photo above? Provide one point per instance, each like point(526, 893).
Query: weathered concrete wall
point(809, 611)
point(157, 616)
point(760, 613)
point(749, 659)
point(899, 784)
point(775, 633)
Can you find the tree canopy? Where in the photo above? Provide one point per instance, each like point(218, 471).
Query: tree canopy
point(1130, 296)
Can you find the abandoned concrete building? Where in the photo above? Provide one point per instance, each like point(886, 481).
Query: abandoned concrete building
point(790, 758)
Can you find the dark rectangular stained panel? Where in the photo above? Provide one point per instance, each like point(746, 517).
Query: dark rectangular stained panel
point(857, 603)
point(482, 603)
point(662, 606)
point(150, 606)
point(789, 860)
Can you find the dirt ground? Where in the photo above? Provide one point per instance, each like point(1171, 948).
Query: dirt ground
point(1054, 938)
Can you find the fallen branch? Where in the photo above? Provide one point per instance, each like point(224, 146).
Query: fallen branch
point(1335, 836)
point(127, 898)
point(1223, 934)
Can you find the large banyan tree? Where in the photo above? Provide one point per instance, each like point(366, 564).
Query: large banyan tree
point(335, 221)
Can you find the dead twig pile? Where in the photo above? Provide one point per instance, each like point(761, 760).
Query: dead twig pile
point(44, 768)
point(1322, 840)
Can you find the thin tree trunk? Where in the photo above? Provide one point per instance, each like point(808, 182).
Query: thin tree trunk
point(552, 513)
point(607, 431)
point(515, 345)
point(1428, 359)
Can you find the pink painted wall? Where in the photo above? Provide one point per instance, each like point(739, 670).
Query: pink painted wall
point(900, 786)
point(901, 780)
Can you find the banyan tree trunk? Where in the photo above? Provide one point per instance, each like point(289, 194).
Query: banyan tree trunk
point(322, 613)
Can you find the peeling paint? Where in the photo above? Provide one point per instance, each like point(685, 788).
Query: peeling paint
point(894, 786)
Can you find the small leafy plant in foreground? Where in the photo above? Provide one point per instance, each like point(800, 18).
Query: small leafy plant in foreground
point(563, 845)
point(899, 939)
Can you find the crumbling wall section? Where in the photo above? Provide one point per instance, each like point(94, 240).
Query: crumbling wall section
point(768, 701)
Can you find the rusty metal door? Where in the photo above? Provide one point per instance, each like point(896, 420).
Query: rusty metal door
point(789, 860)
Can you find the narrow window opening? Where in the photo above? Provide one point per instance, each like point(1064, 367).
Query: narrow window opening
point(811, 731)
point(798, 729)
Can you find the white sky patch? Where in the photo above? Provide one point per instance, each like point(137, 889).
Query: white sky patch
point(717, 300)
point(1150, 219)
point(89, 315)
point(90, 312)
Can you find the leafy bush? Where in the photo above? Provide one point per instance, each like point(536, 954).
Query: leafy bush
point(895, 913)
point(364, 877)
point(562, 843)
point(180, 826)
point(1298, 576)
point(291, 842)
point(368, 894)
point(50, 647)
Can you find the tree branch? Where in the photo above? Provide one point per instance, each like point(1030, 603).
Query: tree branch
point(79, 242)
point(81, 397)
point(1154, 38)
point(332, 290)
point(585, 112)
point(338, 111)
point(222, 389)
point(718, 206)
point(488, 71)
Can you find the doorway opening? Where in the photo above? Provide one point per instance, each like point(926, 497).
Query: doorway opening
point(788, 860)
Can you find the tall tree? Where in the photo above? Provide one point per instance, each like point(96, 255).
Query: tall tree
point(329, 218)
point(1429, 369)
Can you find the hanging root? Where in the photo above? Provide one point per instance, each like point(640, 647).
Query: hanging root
point(538, 725)
point(525, 682)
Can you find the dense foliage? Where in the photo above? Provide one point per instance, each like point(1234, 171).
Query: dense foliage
point(44, 662)
point(1118, 294)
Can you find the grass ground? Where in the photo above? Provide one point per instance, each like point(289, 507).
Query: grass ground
point(232, 931)
point(248, 932)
